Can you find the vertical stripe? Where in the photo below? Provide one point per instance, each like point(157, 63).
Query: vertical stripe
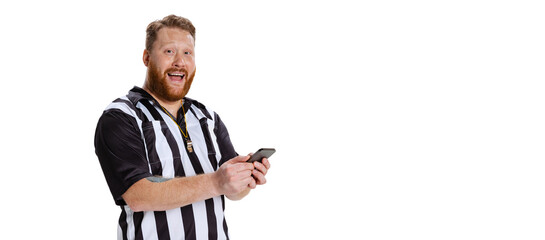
point(161, 223)
point(201, 220)
point(189, 224)
point(152, 110)
point(150, 136)
point(175, 224)
point(150, 139)
point(163, 150)
point(218, 209)
point(214, 139)
point(120, 234)
point(193, 155)
point(137, 218)
point(197, 167)
point(211, 151)
point(148, 225)
point(175, 164)
point(225, 230)
point(224, 142)
point(130, 223)
point(200, 209)
point(211, 154)
point(122, 224)
point(211, 218)
point(199, 138)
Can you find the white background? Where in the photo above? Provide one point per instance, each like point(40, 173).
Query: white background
point(391, 119)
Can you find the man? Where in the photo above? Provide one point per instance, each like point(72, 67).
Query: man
point(168, 159)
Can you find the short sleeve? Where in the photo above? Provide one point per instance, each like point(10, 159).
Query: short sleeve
point(224, 141)
point(121, 152)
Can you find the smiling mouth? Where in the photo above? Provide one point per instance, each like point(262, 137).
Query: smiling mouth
point(176, 76)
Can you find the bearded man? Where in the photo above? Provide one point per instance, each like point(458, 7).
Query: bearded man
point(168, 159)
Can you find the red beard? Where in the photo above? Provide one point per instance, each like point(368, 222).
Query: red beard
point(157, 83)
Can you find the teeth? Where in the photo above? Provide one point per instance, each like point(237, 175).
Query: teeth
point(176, 74)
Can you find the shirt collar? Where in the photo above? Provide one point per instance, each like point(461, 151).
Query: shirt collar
point(137, 94)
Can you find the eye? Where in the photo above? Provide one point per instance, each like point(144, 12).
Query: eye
point(169, 51)
point(187, 53)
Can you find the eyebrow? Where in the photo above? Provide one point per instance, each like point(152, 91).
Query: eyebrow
point(174, 43)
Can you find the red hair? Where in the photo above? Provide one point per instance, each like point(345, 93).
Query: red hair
point(168, 21)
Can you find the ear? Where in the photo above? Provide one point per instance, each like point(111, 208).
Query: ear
point(145, 57)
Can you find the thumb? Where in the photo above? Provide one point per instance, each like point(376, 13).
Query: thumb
point(240, 159)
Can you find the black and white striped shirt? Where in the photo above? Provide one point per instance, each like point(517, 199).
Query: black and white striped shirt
point(136, 139)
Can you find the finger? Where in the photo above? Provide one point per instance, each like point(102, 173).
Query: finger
point(259, 177)
point(266, 163)
point(245, 180)
point(239, 159)
point(240, 167)
point(259, 166)
point(241, 177)
point(245, 174)
point(252, 184)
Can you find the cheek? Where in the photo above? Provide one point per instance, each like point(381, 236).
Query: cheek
point(190, 62)
point(192, 66)
point(162, 64)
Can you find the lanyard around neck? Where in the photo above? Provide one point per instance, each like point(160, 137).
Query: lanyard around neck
point(186, 134)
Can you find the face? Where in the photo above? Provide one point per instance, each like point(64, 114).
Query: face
point(171, 64)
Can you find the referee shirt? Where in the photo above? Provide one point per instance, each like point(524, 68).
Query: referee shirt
point(136, 139)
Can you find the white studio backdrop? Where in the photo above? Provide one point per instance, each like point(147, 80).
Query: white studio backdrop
point(391, 119)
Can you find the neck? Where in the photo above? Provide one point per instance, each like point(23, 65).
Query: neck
point(171, 106)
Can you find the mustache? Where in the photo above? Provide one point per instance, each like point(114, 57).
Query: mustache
point(183, 70)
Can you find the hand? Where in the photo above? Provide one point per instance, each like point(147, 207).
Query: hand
point(235, 176)
point(261, 169)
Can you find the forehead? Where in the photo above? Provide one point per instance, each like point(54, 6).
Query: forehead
point(170, 35)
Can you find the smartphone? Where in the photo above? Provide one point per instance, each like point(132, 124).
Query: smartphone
point(261, 153)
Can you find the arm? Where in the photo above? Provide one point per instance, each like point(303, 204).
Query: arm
point(231, 179)
point(119, 149)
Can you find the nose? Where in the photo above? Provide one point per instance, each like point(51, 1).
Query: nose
point(179, 61)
